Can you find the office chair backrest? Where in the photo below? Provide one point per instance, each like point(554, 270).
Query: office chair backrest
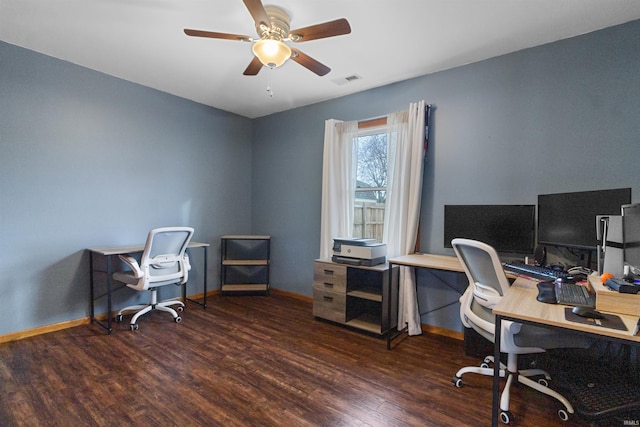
point(483, 269)
point(164, 258)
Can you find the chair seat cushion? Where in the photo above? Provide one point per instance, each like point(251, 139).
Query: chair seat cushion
point(126, 277)
point(130, 279)
point(548, 338)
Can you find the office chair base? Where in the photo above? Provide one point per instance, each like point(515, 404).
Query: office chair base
point(522, 376)
point(146, 308)
point(541, 385)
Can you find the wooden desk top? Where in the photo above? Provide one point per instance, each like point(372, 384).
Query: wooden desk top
point(438, 262)
point(121, 250)
point(520, 303)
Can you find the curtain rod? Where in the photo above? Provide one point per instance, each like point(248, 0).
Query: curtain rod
point(369, 123)
point(381, 121)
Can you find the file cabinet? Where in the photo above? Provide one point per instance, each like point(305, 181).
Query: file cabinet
point(354, 295)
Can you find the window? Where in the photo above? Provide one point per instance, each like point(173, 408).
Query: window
point(371, 158)
point(405, 147)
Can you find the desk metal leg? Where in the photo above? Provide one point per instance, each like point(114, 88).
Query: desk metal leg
point(388, 298)
point(92, 313)
point(184, 288)
point(389, 295)
point(92, 267)
point(109, 302)
point(204, 300)
point(496, 372)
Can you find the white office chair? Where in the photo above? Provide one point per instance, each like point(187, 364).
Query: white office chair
point(164, 262)
point(487, 284)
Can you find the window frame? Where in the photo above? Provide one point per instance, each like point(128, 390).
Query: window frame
point(368, 128)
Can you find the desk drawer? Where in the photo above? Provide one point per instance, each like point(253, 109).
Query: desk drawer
point(329, 305)
point(330, 277)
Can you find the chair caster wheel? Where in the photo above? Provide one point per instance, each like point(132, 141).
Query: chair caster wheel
point(544, 382)
point(178, 319)
point(118, 318)
point(180, 308)
point(484, 365)
point(564, 416)
point(505, 417)
point(457, 381)
point(133, 327)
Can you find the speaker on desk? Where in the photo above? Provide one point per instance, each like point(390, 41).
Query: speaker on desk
point(540, 255)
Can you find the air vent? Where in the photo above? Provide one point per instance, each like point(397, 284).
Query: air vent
point(344, 80)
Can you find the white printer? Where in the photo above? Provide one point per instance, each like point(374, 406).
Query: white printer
point(359, 252)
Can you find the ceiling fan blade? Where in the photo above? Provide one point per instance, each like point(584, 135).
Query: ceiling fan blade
point(214, 35)
point(254, 67)
point(258, 12)
point(320, 31)
point(309, 63)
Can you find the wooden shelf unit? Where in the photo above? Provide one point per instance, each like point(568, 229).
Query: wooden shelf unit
point(244, 264)
point(355, 296)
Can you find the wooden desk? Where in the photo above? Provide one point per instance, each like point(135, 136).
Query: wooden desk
point(520, 304)
point(101, 263)
point(437, 262)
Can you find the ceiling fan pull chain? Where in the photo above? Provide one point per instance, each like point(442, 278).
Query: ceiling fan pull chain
point(269, 87)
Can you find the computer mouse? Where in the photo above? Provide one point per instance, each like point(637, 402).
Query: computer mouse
point(587, 312)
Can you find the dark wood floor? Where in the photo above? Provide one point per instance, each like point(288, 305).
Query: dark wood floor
point(247, 360)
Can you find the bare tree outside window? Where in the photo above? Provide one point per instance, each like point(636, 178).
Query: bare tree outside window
point(371, 186)
point(372, 165)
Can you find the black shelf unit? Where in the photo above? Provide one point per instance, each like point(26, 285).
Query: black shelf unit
point(244, 264)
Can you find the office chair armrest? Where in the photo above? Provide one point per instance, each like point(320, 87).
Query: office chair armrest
point(465, 302)
point(187, 264)
point(133, 264)
point(512, 327)
point(485, 295)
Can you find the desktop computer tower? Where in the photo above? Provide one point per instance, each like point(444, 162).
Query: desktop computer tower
point(610, 244)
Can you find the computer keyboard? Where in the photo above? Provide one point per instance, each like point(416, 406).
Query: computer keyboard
point(573, 294)
point(536, 272)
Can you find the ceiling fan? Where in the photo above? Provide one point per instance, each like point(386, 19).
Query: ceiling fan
point(270, 49)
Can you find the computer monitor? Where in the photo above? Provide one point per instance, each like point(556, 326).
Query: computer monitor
point(631, 236)
point(508, 228)
point(566, 219)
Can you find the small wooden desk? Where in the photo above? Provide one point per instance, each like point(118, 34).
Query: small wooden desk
point(520, 304)
point(101, 263)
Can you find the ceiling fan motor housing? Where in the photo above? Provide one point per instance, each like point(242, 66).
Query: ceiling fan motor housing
point(279, 24)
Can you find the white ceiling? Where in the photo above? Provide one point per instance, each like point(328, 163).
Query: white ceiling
point(391, 40)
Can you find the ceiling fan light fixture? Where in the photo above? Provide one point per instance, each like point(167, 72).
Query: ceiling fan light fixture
point(272, 53)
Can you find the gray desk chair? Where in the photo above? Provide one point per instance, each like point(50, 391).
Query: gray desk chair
point(164, 262)
point(487, 284)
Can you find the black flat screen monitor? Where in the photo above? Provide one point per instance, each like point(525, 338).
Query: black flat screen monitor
point(508, 228)
point(631, 236)
point(568, 219)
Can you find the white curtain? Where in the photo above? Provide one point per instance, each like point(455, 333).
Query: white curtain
point(404, 189)
point(338, 183)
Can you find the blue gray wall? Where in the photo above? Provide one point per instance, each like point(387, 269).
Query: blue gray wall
point(555, 118)
point(90, 160)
